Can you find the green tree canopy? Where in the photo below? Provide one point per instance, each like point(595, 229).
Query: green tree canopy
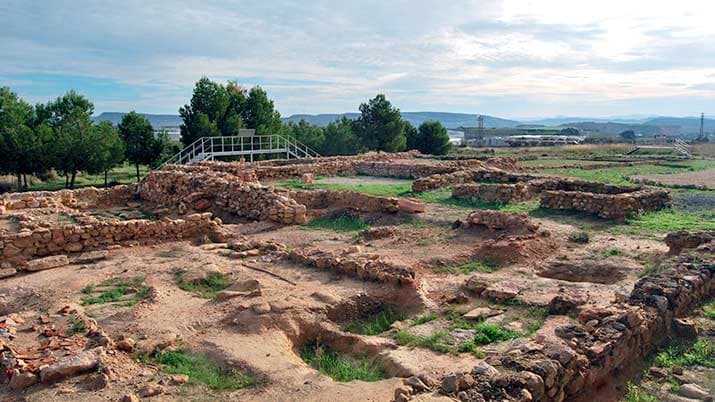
point(205, 114)
point(340, 139)
point(142, 148)
point(628, 135)
point(260, 113)
point(70, 118)
point(108, 150)
point(432, 138)
point(380, 126)
point(309, 134)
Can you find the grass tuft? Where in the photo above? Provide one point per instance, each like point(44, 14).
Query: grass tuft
point(201, 370)
point(341, 368)
point(376, 324)
point(612, 252)
point(344, 222)
point(709, 309)
point(206, 288)
point(702, 353)
point(129, 292)
point(635, 394)
point(486, 267)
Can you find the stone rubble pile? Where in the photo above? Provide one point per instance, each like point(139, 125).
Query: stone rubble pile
point(587, 354)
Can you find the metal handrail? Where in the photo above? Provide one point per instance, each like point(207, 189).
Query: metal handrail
point(210, 147)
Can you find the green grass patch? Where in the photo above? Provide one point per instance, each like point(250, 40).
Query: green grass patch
point(380, 190)
point(124, 174)
point(339, 367)
point(486, 267)
point(207, 287)
point(635, 394)
point(201, 370)
point(64, 218)
point(612, 252)
point(116, 290)
point(424, 318)
point(701, 353)
point(617, 175)
point(375, 324)
point(709, 309)
point(344, 222)
point(668, 220)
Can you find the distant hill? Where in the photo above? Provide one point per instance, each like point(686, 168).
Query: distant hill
point(449, 120)
point(157, 120)
point(688, 125)
point(617, 128)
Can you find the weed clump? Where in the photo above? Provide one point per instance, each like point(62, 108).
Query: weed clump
point(116, 290)
point(374, 325)
point(339, 367)
point(207, 287)
point(579, 237)
point(343, 222)
point(200, 370)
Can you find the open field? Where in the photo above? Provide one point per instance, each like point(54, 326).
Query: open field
point(120, 175)
point(380, 277)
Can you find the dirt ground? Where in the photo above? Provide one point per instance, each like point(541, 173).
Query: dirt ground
point(705, 178)
point(261, 331)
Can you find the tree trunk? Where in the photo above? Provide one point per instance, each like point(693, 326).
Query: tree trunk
point(106, 172)
point(74, 174)
point(24, 178)
point(67, 180)
point(138, 178)
point(19, 182)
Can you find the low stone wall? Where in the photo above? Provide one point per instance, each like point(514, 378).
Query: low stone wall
point(589, 353)
point(497, 221)
point(362, 267)
point(465, 176)
point(498, 193)
point(618, 206)
point(84, 197)
point(677, 241)
point(75, 238)
point(320, 199)
point(204, 191)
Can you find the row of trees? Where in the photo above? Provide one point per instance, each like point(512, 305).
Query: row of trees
point(218, 110)
point(60, 135)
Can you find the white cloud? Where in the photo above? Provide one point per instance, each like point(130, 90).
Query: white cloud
point(328, 56)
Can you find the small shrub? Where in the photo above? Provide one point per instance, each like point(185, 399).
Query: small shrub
point(77, 326)
point(341, 368)
point(579, 237)
point(702, 353)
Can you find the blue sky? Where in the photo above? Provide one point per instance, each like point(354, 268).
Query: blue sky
point(508, 58)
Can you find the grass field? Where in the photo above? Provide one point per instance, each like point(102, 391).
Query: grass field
point(123, 175)
point(617, 175)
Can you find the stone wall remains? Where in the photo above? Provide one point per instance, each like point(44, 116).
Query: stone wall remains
point(609, 206)
point(320, 199)
point(498, 221)
point(496, 193)
point(677, 241)
point(587, 354)
point(362, 267)
point(80, 198)
point(75, 238)
point(204, 191)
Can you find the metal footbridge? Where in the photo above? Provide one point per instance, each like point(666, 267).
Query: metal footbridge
point(274, 146)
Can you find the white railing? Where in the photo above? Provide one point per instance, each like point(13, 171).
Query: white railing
point(208, 148)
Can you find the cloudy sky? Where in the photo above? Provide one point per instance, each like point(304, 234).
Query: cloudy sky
point(509, 58)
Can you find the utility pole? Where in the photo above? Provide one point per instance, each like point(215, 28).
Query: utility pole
point(702, 126)
point(480, 126)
